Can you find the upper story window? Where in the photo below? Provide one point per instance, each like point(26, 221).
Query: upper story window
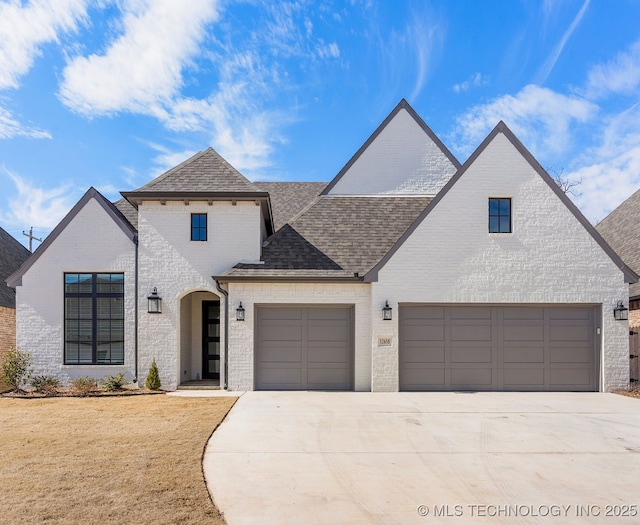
point(94, 318)
point(198, 226)
point(499, 215)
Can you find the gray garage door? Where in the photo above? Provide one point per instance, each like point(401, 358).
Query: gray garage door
point(304, 348)
point(497, 348)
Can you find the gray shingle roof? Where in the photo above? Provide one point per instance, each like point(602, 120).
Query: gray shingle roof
point(337, 234)
point(205, 172)
point(128, 212)
point(290, 198)
point(621, 230)
point(12, 255)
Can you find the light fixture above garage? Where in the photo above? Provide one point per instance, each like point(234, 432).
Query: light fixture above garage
point(386, 312)
point(240, 313)
point(620, 313)
point(154, 302)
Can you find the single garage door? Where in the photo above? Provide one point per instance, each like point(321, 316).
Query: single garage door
point(498, 348)
point(304, 348)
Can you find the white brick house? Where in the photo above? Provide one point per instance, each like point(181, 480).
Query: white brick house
point(489, 277)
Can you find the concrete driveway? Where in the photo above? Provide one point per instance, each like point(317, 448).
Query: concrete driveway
point(348, 457)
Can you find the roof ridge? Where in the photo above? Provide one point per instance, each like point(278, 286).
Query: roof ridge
point(170, 171)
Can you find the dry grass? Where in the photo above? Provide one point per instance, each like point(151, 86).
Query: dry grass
point(107, 460)
point(630, 393)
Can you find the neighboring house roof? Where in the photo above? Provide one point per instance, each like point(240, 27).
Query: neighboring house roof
point(128, 211)
point(621, 230)
point(334, 237)
point(112, 211)
point(12, 255)
point(290, 198)
point(629, 275)
point(402, 105)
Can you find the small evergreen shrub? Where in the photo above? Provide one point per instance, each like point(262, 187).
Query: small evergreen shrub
point(47, 385)
point(83, 386)
point(113, 383)
point(153, 377)
point(16, 368)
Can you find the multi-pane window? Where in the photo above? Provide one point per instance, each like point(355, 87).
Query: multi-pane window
point(94, 318)
point(499, 215)
point(198, 226)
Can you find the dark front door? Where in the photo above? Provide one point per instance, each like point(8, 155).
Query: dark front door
point(210, 339)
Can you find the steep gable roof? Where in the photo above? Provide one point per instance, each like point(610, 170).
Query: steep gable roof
point(621, 230)
point(112, 211)
point(423, 169)
point(12, 255)
point(629, 275)
point(290, 198)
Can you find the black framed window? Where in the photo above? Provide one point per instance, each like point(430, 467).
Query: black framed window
point(94, 318)
point(499, 215)
point(198, 226)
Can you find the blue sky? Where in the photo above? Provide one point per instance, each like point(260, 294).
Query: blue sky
point(111, 93)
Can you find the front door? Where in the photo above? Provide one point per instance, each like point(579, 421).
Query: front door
point(210, 339)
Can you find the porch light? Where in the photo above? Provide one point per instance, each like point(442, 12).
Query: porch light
point(386, 312)
point(620, 313)
point(155, 302)
point(240, 313)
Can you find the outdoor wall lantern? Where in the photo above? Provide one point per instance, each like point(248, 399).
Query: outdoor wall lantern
point(155, 302)
point(240, 313)
point(386, 312)
point(620, 313)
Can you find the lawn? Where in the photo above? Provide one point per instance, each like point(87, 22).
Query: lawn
point(103, 460)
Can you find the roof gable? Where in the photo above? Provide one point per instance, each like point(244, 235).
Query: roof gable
point(402, 157)
point(12, 255)
point(16, 278)
point(502, 128)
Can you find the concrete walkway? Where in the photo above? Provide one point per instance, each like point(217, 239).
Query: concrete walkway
point(350, 458)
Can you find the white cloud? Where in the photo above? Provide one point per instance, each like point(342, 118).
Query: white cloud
point(541, 118)
point(141, 71)
point(37, 206)
point(620, 75)
point(25, 27)
point(549, 64)
point(9, 128)
point(328, 50)
point(475, 80)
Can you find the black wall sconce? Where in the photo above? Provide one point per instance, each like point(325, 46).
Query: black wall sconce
point(154, 302)
point(620, 313)
point(240, 313)
point(387, 312)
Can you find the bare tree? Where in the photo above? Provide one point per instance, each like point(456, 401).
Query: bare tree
point(564, 183)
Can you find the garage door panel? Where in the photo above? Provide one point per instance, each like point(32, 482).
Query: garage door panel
point(302, 348)
point(422, 313)
point(471, 354)
point(523, 354)
point(498, 348)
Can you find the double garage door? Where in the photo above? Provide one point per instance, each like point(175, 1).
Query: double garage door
point(304, 348)
point(498, 348)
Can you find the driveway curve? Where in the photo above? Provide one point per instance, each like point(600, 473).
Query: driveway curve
point(386, 458)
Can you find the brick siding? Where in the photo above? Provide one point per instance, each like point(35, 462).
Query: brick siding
point(7, 334)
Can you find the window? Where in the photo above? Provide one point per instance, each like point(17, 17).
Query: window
point(94, 318)
point(198, 226)
point(499, 215)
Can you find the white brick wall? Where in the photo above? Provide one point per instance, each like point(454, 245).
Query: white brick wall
point(92, 242)
point(177, 266)
point(401, 160)
point(549, 258)
point(241, 342)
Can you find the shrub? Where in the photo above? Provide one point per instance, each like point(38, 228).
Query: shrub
point(83, 386)
point(153, 377)
point(113, 383)
point(47, 385)
point(16, 368)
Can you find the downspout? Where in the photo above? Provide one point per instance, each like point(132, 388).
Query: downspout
point(226, 332)
point(135, 344)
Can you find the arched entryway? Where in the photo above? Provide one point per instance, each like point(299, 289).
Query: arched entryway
point(200, 337)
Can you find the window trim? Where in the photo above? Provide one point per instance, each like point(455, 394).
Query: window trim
point(94, 295)
point(499, 216)
point(200, 229)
